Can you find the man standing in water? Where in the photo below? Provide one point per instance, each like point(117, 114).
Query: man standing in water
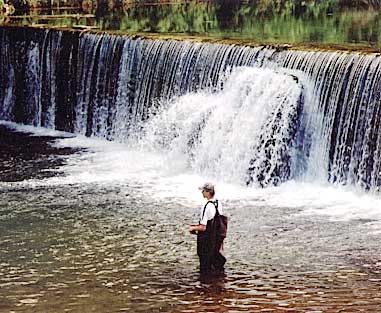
point(209, 238)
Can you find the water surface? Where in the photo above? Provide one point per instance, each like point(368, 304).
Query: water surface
point(94, 239)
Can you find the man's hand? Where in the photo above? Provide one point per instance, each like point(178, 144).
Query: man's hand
point(193, 229)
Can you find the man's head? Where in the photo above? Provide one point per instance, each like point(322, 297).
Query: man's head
point(207, 188)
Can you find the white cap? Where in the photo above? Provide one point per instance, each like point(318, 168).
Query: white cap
point(207, 187)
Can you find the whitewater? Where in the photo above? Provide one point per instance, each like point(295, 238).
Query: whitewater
point(212, 136)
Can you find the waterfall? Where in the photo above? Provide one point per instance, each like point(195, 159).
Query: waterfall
point(48, 73)
point(245, 132)
point(33, 85)
point(277, 115)
point(8, 82)
point(345, 145)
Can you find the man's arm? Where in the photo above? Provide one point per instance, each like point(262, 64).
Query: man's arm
point(200, 227)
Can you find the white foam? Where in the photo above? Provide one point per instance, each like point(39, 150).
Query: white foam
point(216, 133)
point(337, 202)
point(161, 163)
point(114, 163)
point(35, 131)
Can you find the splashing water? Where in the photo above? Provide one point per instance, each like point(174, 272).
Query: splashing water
point(220, 134)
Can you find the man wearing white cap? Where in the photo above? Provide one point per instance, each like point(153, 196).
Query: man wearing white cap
point(209, 241)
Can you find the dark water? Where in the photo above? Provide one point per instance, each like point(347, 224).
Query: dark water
point(312, 22)
point(113, 247)
point(24, 156)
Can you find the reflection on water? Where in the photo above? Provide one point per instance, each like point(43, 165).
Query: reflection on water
point(301, 22)
point(71, 18)
point(113, 247)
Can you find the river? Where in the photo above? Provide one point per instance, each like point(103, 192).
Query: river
point(103, 228)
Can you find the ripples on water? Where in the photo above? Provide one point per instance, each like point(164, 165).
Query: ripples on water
point(113, 248)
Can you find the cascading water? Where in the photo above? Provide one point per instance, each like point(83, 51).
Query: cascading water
point(345, 119)
point(314, 116)
point(33, 84)
point(243, 133)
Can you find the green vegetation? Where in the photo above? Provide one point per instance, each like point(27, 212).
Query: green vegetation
point(267, 21)
point(260, 7)
point(272, 21)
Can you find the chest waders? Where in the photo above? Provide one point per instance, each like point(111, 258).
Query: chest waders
point(208, 245)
